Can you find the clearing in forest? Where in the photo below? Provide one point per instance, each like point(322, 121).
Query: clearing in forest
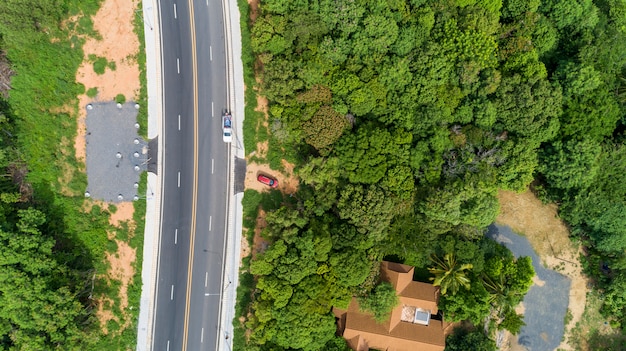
point(549, 237)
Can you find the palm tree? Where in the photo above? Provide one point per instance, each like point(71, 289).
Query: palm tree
point(448, 274)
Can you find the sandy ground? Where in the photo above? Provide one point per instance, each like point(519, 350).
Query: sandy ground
point(287, 183)
point(549, 236)
point(124, 213)
point(119, 44)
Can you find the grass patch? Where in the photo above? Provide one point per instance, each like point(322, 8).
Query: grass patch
point(594, 331)
point(251, 135)
point(99, 64)
point(85, 27)
point(250, 204)
point(142, 99)
point(120, 98)
point(111, 65)
point(92, 92)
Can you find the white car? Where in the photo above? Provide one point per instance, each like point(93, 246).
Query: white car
point(227, 127)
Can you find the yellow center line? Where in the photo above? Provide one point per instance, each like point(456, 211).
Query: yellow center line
point(192, 236)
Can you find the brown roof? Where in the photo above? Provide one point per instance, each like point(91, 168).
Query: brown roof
point(362, 332)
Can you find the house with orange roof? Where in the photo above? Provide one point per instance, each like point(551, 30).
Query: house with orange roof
point(415, 324)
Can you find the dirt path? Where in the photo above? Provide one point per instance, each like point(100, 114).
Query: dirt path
point(549, 237)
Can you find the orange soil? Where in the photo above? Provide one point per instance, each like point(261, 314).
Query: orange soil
point(259, 243)
point(121, 269)
point(287, 183)
point(124, 212)
point(119, 44)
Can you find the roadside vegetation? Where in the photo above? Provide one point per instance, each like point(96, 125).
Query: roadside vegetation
point(54, 243)
point(405, 118)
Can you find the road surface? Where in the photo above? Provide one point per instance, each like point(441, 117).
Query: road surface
point(195, 166)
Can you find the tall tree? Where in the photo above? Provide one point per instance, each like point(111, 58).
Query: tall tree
point(449, 274)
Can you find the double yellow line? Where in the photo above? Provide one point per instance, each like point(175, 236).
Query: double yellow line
point(194, 66)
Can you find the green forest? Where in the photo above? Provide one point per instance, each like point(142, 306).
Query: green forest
point(404, 119)
point(52, 242)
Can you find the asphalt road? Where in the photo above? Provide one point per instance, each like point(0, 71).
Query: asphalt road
point(194, 179)
point(545, 304)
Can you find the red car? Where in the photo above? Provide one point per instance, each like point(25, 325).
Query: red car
point(267, 181)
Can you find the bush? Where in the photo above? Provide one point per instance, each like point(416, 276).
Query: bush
point(463, 340)
point(99, 65)
point(380, 302)
point(92, 92)
point(120, 98)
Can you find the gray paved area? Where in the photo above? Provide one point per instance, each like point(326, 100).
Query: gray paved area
point(545, 306)
point(153, 195)
point(116, 155)
point(240, 174)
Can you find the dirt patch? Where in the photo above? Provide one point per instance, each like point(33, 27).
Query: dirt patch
point(67, 169)
point(259, 244)
point(549, 237)
point(104, 313)
point(262, 105)
point(287, 183)
point(261, 149)
point(124, 213)
point(121, 269)
point(118, 44)
point(254, 9)
point(538, 282)
point(244, 249)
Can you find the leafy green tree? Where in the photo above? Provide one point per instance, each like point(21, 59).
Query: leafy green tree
point(378, 34)
point(350, 267)
point(324, 128)
point(471, 201)
point(513, 322)
point(380, 302)
point(413, 238)
point(463, 340)
point(529, 109)
point(337, 343)
point(572, 164)
point(545, 36)
point(597, 211)
point(268, 35)
point(449, 274)
point(513, 9)
point(573, 15)
point(39, 309)
point(467, 304)
point(367, 208)
point(593, 114)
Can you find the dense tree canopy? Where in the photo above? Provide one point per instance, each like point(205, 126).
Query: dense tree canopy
point(408, 117)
